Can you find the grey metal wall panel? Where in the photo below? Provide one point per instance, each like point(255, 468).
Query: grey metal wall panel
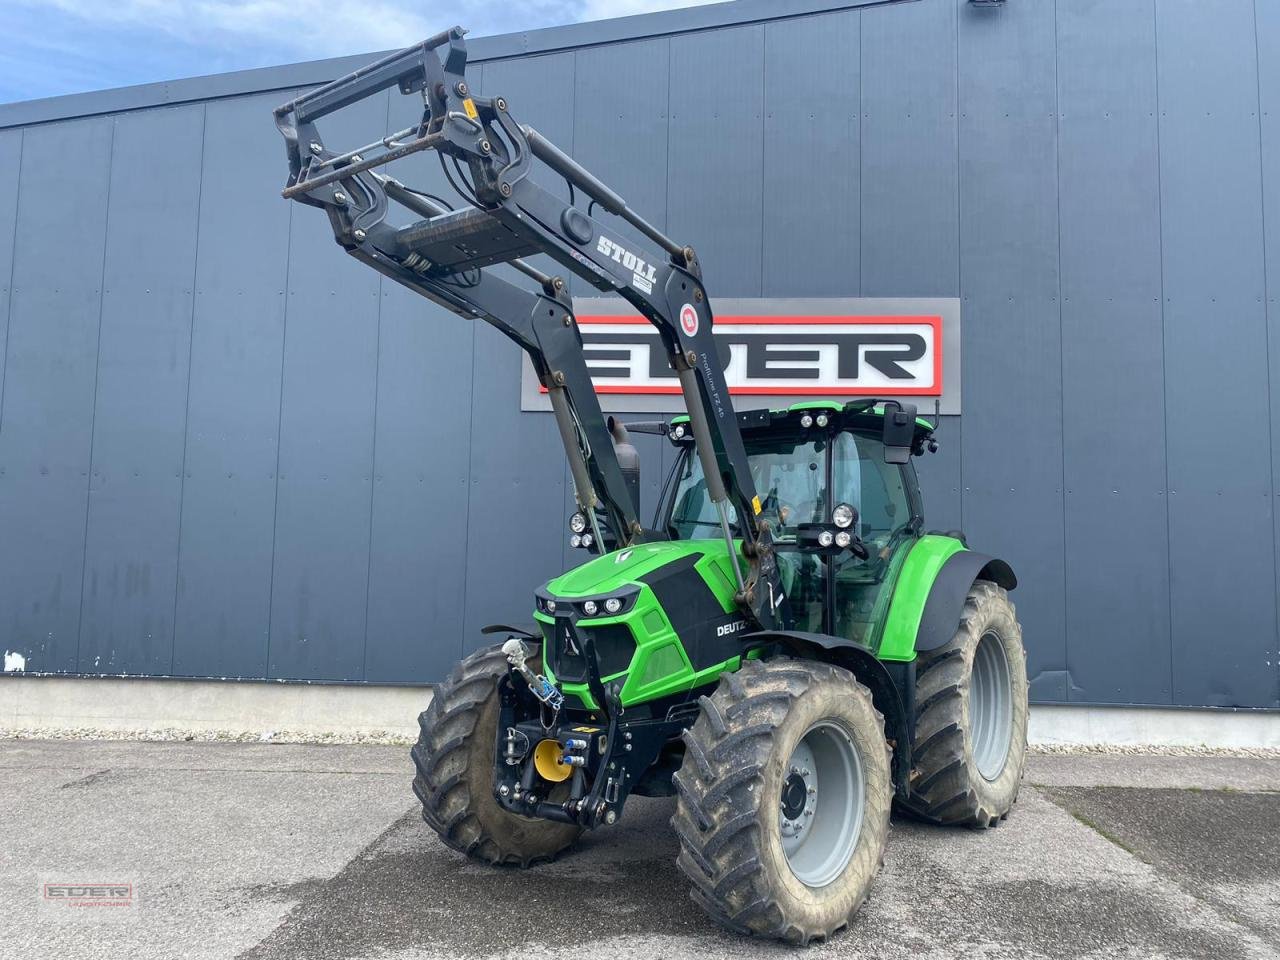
point(909, 244)
point(1012, 465)
point(622, 137)
point(51, 360)
point(420, 492)
point(1108, 146)
point(139, 425)
point(322, 527)
point(715, 154)
point(811, 125)
point(939, 476)
point(10, 179)
point(1113, 372)
point(1268, 38)
point(909, 190)
point(422, 444)
point(516, 525)
point(540, 91)
point(1224, 615)
point(233, 408)
point(528, 42)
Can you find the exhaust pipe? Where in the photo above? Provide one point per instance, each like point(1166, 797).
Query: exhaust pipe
point(628, 459)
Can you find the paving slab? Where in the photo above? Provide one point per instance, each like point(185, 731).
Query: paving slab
point(1222, 846)
point(192, 830)
point(1105, 770)
point(262, 851)
point(205, 755)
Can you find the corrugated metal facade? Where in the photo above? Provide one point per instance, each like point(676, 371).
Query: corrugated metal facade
point(228, 450)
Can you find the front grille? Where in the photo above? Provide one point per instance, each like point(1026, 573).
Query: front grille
point(615, 646)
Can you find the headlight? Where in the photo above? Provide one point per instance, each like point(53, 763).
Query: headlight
point(842, 515)
point(587, 540)
point(590, 608)
point(806, 421)
point(578, 523)
point(612, 605)
point(575, 541)
point(825, 538)
point(843, 539)
point(678, 432)
point(822, 420)
point(551, 606)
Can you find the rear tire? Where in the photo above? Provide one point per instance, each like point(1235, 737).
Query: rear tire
point(971, 717)
point(751, 826)
point(454, 758)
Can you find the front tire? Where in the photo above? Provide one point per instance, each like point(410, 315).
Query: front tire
point(783, 800)
point(454, 760)
point(971, 717)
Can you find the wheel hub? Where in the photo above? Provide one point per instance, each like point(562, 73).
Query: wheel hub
point(821, 804)
point(990, 707)
point(794, 793)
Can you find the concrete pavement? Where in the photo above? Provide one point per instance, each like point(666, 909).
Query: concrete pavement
point(286, 851)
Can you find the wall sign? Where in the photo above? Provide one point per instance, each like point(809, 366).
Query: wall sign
point(774, 351)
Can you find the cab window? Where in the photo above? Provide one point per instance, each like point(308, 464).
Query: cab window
point(860, 477)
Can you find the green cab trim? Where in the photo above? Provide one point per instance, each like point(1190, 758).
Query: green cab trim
point(815, 405)
point(915, 580)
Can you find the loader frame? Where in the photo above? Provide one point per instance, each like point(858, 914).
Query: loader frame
point(448, 256)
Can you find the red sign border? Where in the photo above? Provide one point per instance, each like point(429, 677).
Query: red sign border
point(931, 320)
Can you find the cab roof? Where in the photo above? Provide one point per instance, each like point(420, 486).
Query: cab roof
point(855, 410)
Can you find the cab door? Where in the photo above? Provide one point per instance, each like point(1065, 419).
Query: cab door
point(888, 524)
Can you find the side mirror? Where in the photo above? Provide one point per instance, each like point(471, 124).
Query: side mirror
point(899, 431)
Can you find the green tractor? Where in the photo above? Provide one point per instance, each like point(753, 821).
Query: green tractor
point(785, 649)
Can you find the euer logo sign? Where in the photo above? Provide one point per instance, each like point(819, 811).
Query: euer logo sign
point(777, 349)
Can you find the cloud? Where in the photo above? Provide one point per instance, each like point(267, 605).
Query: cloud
point(334, 28)
point(63, 46)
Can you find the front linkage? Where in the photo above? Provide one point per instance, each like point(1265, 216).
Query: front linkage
point(592, 761)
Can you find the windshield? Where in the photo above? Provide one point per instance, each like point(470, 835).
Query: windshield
point(791, 477)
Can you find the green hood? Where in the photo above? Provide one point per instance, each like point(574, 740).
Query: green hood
point(628, 565)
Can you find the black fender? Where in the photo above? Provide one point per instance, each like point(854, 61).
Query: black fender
point(892, 684)
point(946, 597)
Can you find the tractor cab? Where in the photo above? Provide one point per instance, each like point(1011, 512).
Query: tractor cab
point(660, 618)
point(844, 514)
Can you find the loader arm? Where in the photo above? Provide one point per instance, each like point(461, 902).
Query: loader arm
point(447, 256)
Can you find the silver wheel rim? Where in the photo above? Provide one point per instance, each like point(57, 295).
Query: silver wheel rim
point(821, 804)
point(990, 707)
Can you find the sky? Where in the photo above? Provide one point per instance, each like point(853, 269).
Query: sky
point(52, 47)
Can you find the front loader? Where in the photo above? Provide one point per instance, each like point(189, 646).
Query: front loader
point(785, 649)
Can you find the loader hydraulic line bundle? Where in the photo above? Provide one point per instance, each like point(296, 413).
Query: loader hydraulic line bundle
point(785, 649)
